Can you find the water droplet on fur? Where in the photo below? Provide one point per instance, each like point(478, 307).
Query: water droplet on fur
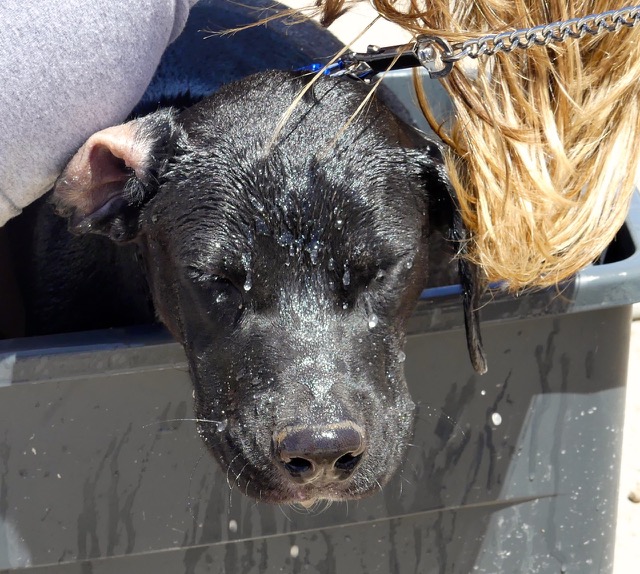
point(496, 419)
point(408, 263)
point(233, 526)
point(261, 227)
point(221, 425)
point(346, 278)
point(294, 551)
point(331, 265)
point(345, 305)
point(402, 357)
point(285, 239)
point(222, 297)
point(314, 252)
point(373, 321)
point(339, 223)
point(246, 263)
point(256, 204)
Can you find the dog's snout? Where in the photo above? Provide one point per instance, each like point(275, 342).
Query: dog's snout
point(319, 453)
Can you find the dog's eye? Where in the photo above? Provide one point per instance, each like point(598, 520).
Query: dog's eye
point(222, 287)
point(216, 293)
point(376, 277)
point(388, 273)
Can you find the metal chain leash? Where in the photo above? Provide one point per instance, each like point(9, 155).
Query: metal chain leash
point(438, 56)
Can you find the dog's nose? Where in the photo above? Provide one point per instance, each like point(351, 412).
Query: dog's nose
point(319, 453)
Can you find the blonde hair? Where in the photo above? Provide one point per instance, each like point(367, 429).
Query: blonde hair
point(543, 150)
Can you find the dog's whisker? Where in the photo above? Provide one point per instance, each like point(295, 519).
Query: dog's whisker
point(435, 412)
point(229, 470)
point(190, 504)
point(280, 507)
point(411, 463)
point(241, 471)
point(179, 420)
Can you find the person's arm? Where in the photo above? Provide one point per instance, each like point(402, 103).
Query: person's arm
point(70, 68)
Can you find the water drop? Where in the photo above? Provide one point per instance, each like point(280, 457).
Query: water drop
point(222, 297)
point(373, 321)
point(483, 392)
point(402, 357)
point(294, 551)
point(285, 239)
point(345, 305)
point(346, 278)
point(496, 419)
point(261, 227)
point(233, 526)
point(331, 264)
point(339, 223)
point(246, 263)
point(314, 251)
point(256, 204)
point(221, 425)
point(408, 263)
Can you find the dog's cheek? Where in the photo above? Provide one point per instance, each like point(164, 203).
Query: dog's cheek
point(163, 286)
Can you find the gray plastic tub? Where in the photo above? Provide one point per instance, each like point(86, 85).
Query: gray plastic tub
point(514, 471)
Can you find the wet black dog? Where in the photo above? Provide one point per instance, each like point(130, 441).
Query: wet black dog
point(285, 259)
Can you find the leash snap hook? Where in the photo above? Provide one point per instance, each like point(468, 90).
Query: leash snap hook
point(434, 54)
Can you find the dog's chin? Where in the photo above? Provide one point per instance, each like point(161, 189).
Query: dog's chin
point(309, 496)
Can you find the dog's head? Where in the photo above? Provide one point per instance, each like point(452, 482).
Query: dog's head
point(286, 260)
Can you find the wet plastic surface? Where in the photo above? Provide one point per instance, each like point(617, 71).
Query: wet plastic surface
point(514, 471)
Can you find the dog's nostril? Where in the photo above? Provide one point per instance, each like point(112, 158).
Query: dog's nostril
point(298, 466)
point(323, 453)
point(348, 462)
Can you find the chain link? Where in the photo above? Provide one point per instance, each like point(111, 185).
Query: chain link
point(438, 56)
point(594, 24)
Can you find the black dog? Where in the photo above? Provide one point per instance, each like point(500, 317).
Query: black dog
point(285, 259)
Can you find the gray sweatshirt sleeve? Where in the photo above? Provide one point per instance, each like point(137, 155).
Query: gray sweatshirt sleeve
point(70, 68)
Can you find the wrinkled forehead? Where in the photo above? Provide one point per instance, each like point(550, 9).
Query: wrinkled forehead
point(290, 208)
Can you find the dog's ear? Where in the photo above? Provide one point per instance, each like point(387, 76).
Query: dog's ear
point(472, 283)
point(444, 215)
point(114, 174)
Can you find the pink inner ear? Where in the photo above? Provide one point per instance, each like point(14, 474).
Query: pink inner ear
point(101, 167)
point(105, 166)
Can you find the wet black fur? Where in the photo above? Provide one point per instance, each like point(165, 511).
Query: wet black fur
point(287, 268)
